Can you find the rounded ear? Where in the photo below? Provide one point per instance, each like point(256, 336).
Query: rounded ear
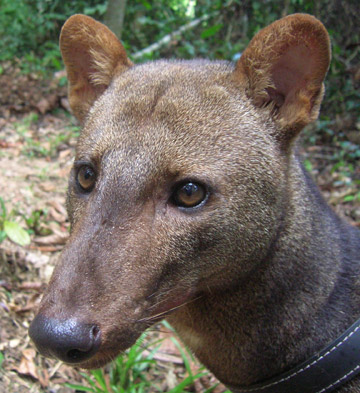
point(283, 68)
point(92, 55)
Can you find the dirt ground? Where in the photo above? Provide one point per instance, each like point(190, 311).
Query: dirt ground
point(37, 140)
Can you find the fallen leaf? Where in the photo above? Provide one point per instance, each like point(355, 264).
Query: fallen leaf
point(58, 206)
point(31, 303)
point(47, 248)
point(59, 217)
point(65, 153)
point(47, 186)
point(65, 171)
point(46, 104)
point(8, 145)
point(31, 285)
point(54, 239)
point(14, 343)
point(65, 104)
point(27, 365)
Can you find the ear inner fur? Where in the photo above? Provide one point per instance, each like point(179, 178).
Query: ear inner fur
point(92, 55)
point(284, 67)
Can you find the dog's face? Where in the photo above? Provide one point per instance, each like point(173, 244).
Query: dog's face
point(163, 196)
point(177, 188)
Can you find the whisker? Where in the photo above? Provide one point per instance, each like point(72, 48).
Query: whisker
point(152, 317)
point(163, 294)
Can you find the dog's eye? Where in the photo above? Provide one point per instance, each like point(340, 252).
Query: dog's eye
point(189, 195)
point(86, 177)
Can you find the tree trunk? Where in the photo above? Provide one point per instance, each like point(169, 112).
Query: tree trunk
point(114, 16)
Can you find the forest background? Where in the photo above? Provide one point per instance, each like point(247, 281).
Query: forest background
point(38, 135)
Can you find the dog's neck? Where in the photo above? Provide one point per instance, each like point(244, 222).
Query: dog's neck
point(292, 305)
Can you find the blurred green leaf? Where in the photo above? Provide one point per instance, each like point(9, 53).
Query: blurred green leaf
point(17, 234)
point(2, 235)
point(308, 165)
point(3, 208)
point(211, 31)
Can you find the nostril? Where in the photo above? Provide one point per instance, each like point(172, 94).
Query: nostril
point(70, 340)
point(95, 331)
point(76, 355)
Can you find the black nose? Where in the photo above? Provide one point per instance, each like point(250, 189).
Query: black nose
point(70, 341)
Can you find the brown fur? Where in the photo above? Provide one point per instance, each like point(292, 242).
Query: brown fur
point(267, 272)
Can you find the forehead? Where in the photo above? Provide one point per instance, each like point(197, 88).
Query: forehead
point(169, 108)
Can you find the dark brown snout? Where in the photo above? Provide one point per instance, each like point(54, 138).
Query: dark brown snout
point(70, 341)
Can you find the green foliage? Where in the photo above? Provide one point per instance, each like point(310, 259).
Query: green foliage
point(308, 165)
point(128, 373)
point(10, 228)
point(353, 197)
point(29, 30)
point(15, 233)
point(42, 147)
point(36, 222)
point(211, 31)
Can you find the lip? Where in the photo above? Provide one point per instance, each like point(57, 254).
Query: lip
point(99, 360)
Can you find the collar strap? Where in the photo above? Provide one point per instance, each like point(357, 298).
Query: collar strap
point(327, 370)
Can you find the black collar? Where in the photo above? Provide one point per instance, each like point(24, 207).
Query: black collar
point(327, 370)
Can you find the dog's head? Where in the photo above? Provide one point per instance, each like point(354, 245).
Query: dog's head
point(179, 179)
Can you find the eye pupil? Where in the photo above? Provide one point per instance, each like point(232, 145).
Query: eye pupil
point(189, 195)
point(190, 189)
point(88, 173)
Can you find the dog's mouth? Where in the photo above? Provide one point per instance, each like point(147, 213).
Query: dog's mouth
point(102, 358)
point(109, 342)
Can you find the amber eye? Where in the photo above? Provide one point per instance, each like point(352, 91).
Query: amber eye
point(86, 177)
point(189, 195)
